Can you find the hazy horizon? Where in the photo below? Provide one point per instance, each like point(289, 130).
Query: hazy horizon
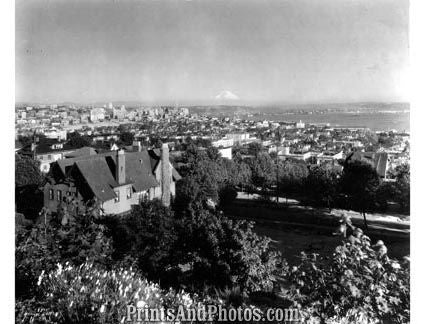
point(240, 52)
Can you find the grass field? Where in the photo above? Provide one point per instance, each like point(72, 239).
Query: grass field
point(297, 228)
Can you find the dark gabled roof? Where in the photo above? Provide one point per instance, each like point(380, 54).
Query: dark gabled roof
point(66, 164)
point(155, 156)
point(98, 177)
point(86, 150)
point(45, 146)
point(139, 171)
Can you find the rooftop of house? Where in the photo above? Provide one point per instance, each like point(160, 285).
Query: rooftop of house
point(52, 145)
point(98, 171)
point(86, 150)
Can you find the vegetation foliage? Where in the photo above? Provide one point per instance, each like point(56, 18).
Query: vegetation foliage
point(83, 268)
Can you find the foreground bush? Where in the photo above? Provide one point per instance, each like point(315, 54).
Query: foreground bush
point(196, 250)
point(89, 294)
point(42, 246)
point(360, 284)
point(218, 252)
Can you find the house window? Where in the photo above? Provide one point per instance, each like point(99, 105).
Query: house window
point(51, 194)
point(49, 156)
point(128, 193)
point(117, 198)
point(58, 195)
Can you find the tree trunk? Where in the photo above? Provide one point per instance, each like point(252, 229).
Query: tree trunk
point(365, 221)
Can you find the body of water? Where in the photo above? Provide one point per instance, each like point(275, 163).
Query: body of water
point(375, 121)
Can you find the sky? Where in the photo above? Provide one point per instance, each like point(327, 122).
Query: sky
point(192, 51)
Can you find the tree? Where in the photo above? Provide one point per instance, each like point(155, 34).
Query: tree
point(227, 195)
point(359, 284)
point(145, 238)
point(75, 140)
point(242, 175)
point(28, 179)
point(385, 192)
point(360, 183)
point(291, 177)
point(127, 138)
point(402, 187)
point(201, 182)
point(27, 171)
point(254, 148)
point(263, 171)
point(213, 153)
point(322, 185)
point(205, 175)
point(219, 252)
point(193, 248)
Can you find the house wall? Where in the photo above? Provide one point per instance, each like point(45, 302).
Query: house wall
point(124, 204)
point(65, 191)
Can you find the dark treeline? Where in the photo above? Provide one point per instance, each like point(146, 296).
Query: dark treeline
point(347, 185)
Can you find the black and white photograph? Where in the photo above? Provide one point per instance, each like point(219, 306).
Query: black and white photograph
point(189, 161)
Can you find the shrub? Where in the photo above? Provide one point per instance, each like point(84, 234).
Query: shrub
point(89, 294)
point(193, 249)
point(221, 252)
point(227, 195)
point(144, 238)
point(41, 247)
point(360, 284)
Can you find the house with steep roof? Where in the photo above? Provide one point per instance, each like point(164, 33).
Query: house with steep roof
point(115, 179)
point(378, 160)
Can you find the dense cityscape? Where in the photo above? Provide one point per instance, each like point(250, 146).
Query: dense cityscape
point(109, 128)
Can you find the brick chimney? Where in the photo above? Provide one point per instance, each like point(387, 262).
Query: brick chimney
point(165, 175)
point(120, 167)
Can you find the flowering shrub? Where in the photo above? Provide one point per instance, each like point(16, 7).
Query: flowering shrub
point(360, 284)
point(42, 246)
point(88, 294)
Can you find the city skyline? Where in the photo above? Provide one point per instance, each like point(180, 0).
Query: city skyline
point(192, 51)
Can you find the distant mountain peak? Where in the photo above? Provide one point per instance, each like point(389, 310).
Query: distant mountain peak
point(226, 95)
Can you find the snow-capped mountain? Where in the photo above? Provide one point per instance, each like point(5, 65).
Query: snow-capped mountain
point(226, 95)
